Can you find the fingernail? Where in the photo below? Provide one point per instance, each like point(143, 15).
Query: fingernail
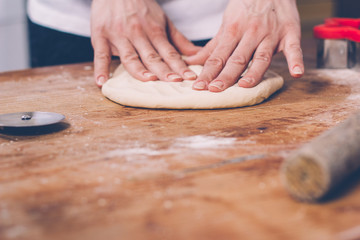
point(101, 80)
point(149, 74)
point(218, 84)
point(297, 70)
point(199, 85)
point(190, 75)
point(248, 80)
point(174, 77)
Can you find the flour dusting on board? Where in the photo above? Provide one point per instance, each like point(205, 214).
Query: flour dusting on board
point(339, 76)
point(136, 151)
point(142, 159)
point(178, 145)
point(348, 77)
point(203, 142)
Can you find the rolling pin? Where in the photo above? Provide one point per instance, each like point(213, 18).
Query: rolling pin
point(318, 167)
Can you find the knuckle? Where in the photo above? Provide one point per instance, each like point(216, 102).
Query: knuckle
point(232, 29)
point(238, 60)
point(102, 56)
point(129, 57)
point(292, 26)
point(254, 74)
point(216, 62)
point(256, 29)
point(118, 24)
point(157, 33)
point(294, 47)
point(264, 56)
point(172, 55)
point(98, 29)
point(135, 26)
point(254, 26)
point(157, 30)
point(153, 58)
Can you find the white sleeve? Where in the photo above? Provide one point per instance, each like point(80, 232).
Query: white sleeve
point(196, 19)
point(71, 16)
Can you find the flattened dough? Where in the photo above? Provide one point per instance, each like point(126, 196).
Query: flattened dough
point(128, 91)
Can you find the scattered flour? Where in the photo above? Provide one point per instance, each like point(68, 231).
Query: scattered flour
point(143, 159)
point(197, 142)
point(339, 76)
point(88, 68)
point(354, 97)
point(136, 151)
point(204, 142)
point(350, 77)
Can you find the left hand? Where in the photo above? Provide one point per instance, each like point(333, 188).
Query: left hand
point(251, 30)
point(146, 41)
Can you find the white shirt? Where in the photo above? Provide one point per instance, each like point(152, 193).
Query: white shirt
point(196, 19)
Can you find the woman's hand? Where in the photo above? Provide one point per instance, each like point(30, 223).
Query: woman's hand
point(251, 30)
point(138, 31)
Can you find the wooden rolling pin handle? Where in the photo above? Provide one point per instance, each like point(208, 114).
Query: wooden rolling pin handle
point(311, 172)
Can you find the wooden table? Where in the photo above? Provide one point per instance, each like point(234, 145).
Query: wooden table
point(114, 172)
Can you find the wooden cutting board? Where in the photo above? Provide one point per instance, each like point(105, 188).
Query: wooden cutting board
point(114, 172)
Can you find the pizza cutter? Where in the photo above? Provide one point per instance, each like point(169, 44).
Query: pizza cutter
point(29, 119)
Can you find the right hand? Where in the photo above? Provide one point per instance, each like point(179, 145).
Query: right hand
point(139, 32)
point(251, 29)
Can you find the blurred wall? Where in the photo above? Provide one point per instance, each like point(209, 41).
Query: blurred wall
point(347, 8)
point(313, 12)
point(13, 35)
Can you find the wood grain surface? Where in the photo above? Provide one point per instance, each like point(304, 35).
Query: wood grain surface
point(114, 172)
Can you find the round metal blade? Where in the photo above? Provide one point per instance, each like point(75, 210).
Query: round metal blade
point(30, 119)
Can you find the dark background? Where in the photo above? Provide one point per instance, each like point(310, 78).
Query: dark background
point(347, 8)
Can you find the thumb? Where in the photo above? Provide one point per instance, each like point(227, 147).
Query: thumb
point(201, 56)
point(183, 45)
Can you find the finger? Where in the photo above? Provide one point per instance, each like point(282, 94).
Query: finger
point(159, 40)
point(260, 63)
point(200, 57)
point(216, 62)
point(102, 59)
point(293, 54)
point(182, 44)
point(173, 58)
point(130, 59)
point(152, 60)
point(236, 64)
